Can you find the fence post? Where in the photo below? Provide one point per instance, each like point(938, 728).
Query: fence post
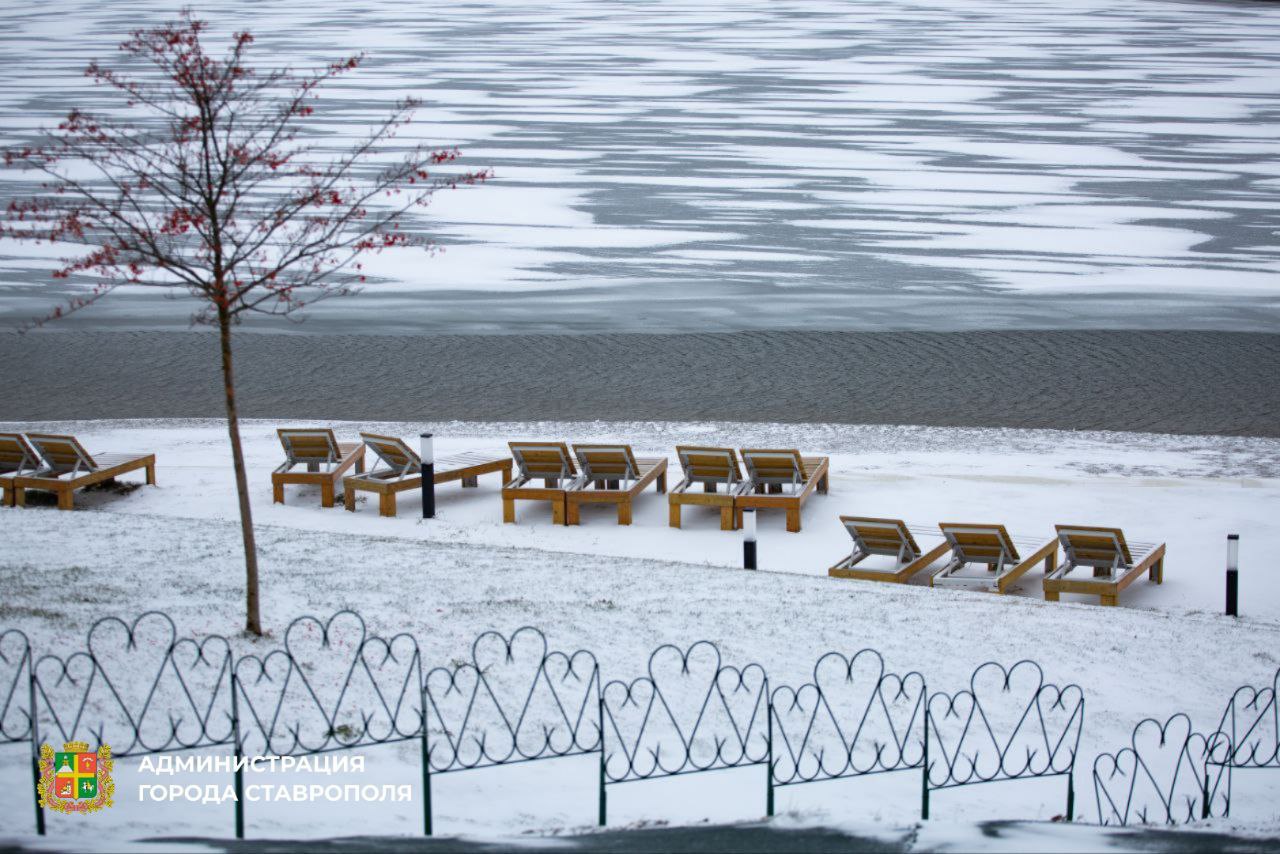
point(768, 804)
point(238, 754)
point(924, 782)
point(1204, 800)
point(603, 802)
point(35, 739)
point(426, 774)
point(1071, 792)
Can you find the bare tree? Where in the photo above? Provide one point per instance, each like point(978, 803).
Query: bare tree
point(218, 191)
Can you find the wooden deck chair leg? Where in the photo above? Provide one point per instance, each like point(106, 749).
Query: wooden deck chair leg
point(19, 496)
point(151, 475)
point(708, 486)
point(360, 464)
point(824, 484)
point(470, 482)
point(1051, 595)
point(572, 512)
point(66, 498)
point(349, 497)
point(509, 510)
point(736, 516)
point(662, 483)
point(326, 494)
point(277, 492)
point(673, 514)
point(624, 512)
point(793, 519)
point(387, 504)
point(1156, 572)
point(558, 511)
point(1109, 599)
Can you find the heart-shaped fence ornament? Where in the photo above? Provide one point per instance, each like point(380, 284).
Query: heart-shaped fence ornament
point(516, 700)
point(690, 713)
point(1251, 725)
point(260, 684)
point(852, 719)
point(136, 714)
point(628, 706)
point(390, 677)
point(15, 694)
point(450, 694)
point(1008, 725)
point(191, 705)
point(62, 692)
point(1160, 777)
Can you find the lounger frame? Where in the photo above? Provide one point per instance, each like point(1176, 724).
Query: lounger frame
point(17, 457)
point(326, 461)
point(611, 474)
point(712, 468)
point(549, 462)
point(403, 472)
point(890, 537)
point(68, 467)
point(780, 479)
point(969, 543)
point(1107, 553)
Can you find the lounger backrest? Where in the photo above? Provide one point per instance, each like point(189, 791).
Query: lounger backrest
point(709, 465)
point(881, 536)
point(543, 459)
point(979, 543)
point(774, 466)
point(309, 445)
point(16, 453)
point(62, 453)
point(607, 462)
point(393, 451)
point(1087, 545)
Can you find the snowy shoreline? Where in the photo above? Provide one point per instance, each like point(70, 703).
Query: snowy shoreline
point(621, 592)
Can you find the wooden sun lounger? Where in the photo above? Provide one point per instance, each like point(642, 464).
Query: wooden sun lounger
point(891, 537)
point(1107, 552)
point(403, 471)
point(971, 543)
point(16, 457)
point(326, 461)
point(611, 474)
point(714, 468)
point(780, 479)
point(68, 467)
point(549, 462)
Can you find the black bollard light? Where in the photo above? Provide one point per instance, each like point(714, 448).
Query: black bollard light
point(428, 477)
point(748, 539)
point(1233, 574)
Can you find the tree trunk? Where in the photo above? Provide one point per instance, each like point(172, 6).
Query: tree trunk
point(252, 623)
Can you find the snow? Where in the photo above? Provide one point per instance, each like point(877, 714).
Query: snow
point(602, 128)
point(622, 592)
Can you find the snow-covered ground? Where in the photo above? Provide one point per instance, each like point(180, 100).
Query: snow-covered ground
point(621, 592)
point(681, 165)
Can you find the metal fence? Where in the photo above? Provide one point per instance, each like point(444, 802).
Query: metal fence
point(331, 686)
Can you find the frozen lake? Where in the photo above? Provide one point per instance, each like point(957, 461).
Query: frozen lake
point(683, 166)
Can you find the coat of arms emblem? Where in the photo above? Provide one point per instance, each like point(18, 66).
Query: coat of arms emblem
point(75, 779)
